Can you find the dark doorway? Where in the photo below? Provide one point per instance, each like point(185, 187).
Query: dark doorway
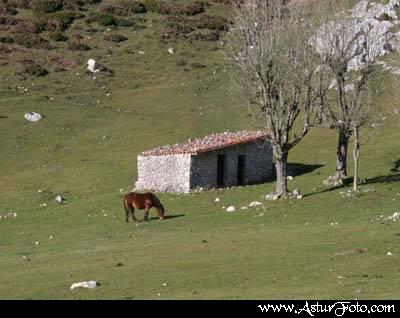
point(220, 170)
point(240, 169)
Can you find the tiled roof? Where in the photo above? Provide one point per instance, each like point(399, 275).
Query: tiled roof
point(208, 143)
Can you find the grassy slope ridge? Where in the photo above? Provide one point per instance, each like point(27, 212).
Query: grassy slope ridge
point(323, 246)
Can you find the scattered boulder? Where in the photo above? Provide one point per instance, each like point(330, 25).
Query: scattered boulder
point(33, 116)
point(333, 181)
point(297, 194)
point(171, 50)
point(254, 203)
point(90, 284)
point(395, 217)
point(273, 196)
point(230, 208)
point(93, 66)
point(60, 199)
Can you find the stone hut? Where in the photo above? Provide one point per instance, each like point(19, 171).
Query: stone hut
point(218, 160)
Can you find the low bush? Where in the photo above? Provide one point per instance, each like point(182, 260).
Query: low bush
point(115, 37)
point(22, 4)
point(77, 45)
point(58, 36)
point(32, 68)
point(213, 36)
point(6, 9)
point(124, 22)
point(46, 6)
point(104, 19)
point(166, 8)
point(6, 39)
point(8, 20)
point(123, 8)
point(32, 41)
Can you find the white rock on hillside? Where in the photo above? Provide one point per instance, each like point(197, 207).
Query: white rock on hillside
point(374, 19)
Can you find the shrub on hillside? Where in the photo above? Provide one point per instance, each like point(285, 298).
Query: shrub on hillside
point(123, 7)
point(104, 19)
point(32, 41)
point(91, 1)
point(8, 20)
point(77, 45)
point(46, 6)
point(133, 6)
point(115, 37)
point(58, 36)
point(202, 21)
point(6, 9)
point(6, 39)
point(205, 21)
point(72, 4)
point(22, 4)
point(152, 5)
point(213, 36)
point(57, 21)
point(166, 8)
point(61, 62)
point(124, 22)
point(5, 49)
point(32, 68)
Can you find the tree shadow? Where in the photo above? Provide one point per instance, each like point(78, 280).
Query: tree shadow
point(346, 182)
point(3, 117)
point(391, 178)
point(298, 169)
point(325, 190)
point(294, 169)
point(396, 167)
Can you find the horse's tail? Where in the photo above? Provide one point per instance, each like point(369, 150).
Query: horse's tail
point(158, 203)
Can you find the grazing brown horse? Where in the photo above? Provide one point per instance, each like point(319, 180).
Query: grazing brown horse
point(134, 200)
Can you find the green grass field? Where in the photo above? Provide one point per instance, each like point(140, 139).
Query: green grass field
point(325, 246)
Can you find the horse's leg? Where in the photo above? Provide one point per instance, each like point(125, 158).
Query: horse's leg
point(133, 214)
point(146, 212)
point(127, 212)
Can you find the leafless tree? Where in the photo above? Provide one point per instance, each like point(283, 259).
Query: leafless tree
point(350, 56)
point(279, 73)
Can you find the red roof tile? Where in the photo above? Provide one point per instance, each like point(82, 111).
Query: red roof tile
point(208, 143)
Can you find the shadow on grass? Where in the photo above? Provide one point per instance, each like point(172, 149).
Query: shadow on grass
point(325, 190)
point(396, 167)
point(298, 169)
point(392, 178)
point(295, 170)
point(169, 216)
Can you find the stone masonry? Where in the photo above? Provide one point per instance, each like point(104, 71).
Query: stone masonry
point(238, 159)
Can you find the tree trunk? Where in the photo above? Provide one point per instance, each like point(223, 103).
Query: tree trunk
point(281, 173)
point(341, 156)
point(356, 156)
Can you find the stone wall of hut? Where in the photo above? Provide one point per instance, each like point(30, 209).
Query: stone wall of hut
point(185, 172)
point(166, 173)
point(257, 166)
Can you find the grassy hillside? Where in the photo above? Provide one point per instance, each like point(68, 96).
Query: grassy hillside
point(326, 245)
